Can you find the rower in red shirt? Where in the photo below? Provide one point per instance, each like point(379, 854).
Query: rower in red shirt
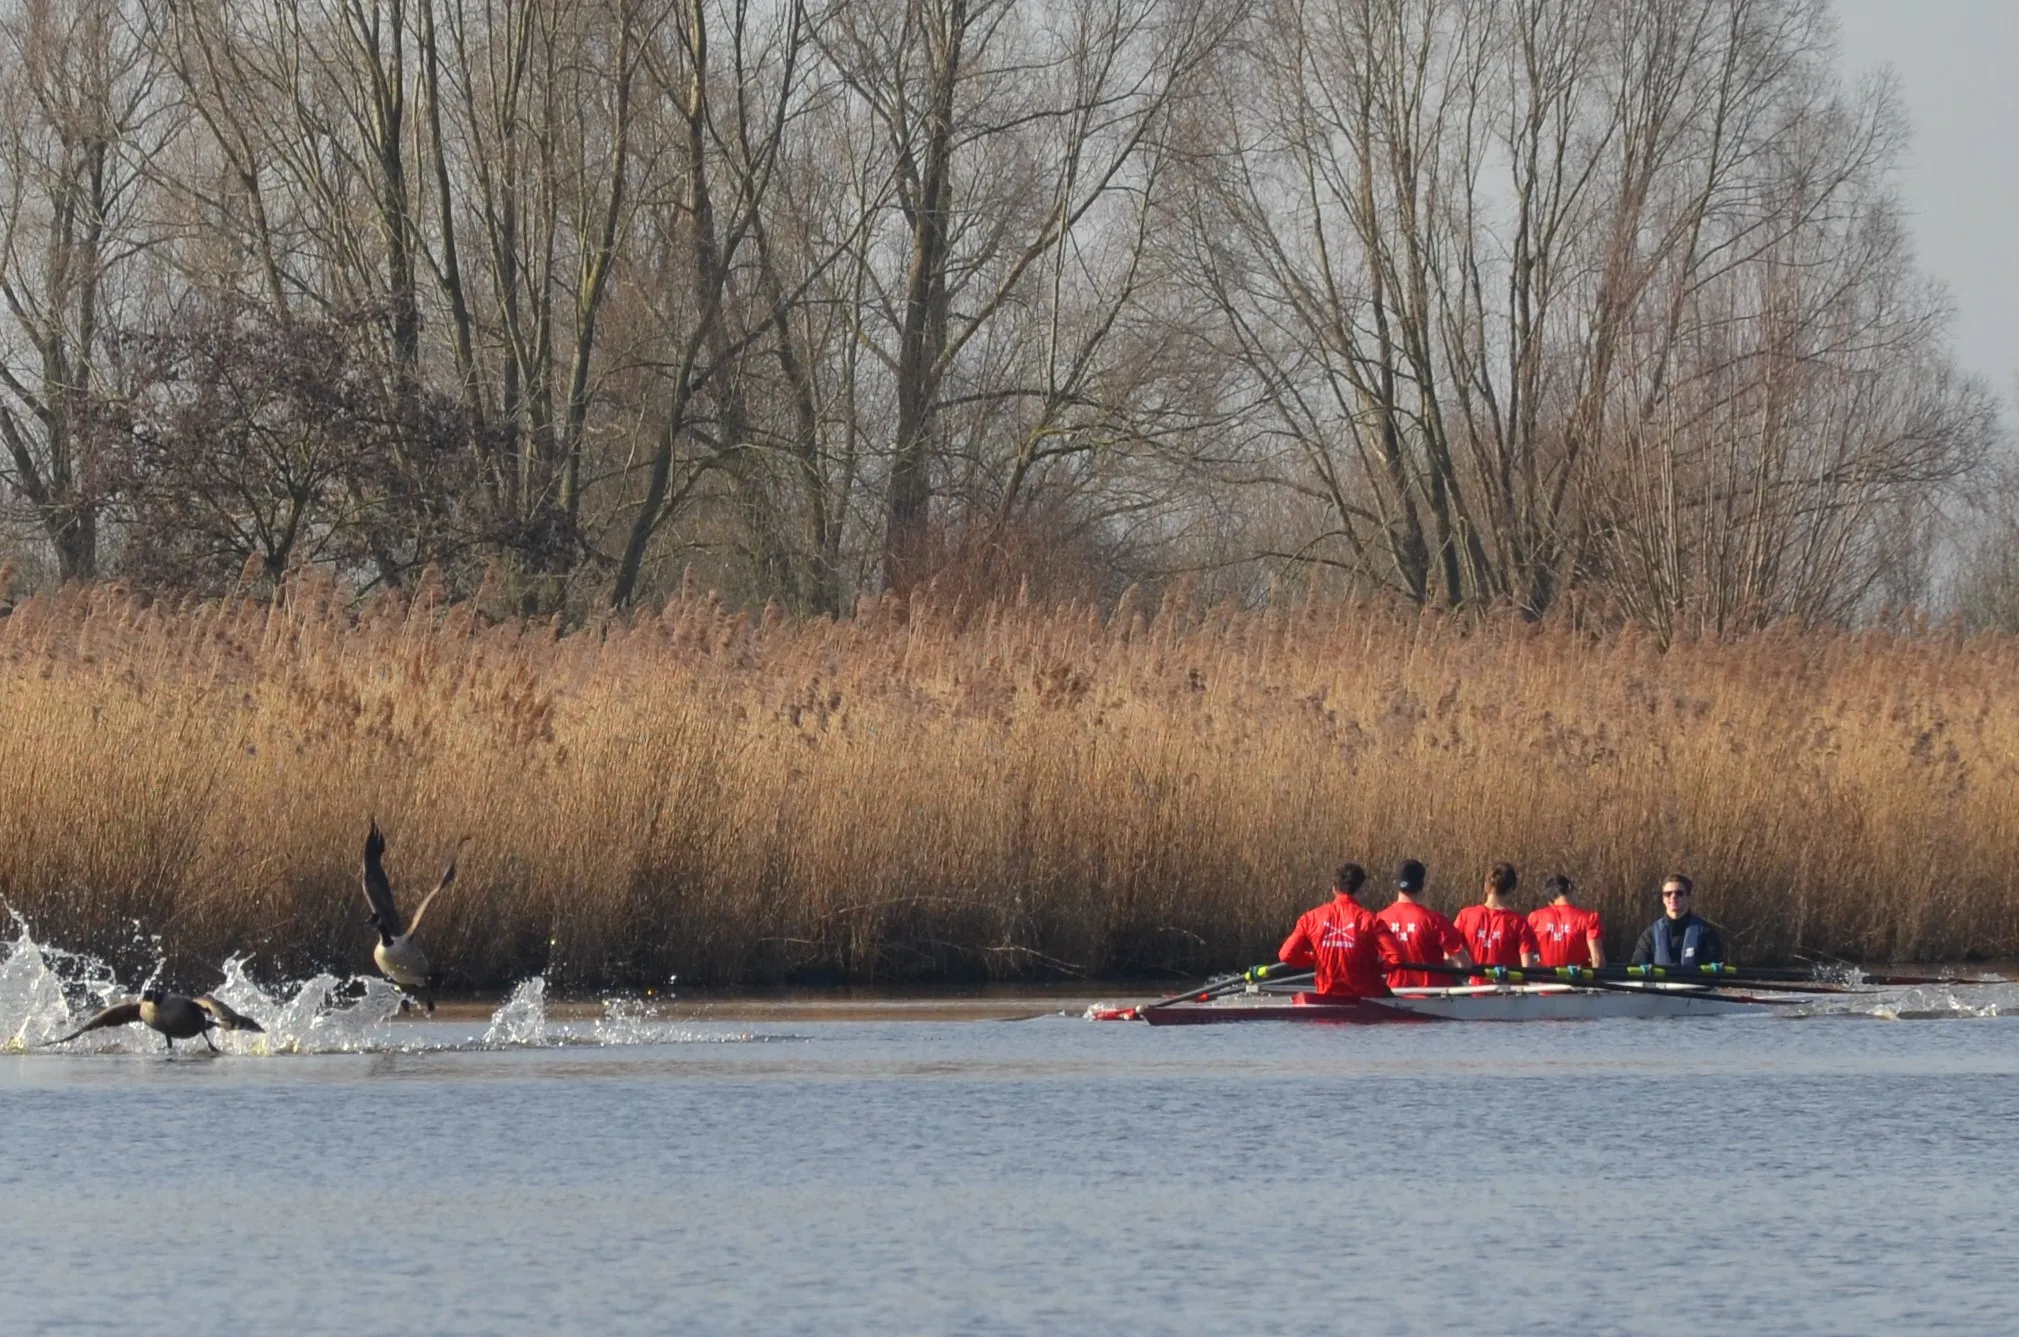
point(1349, 946)
point(1420, 932)
point(1567, 934)
point(1494, 932)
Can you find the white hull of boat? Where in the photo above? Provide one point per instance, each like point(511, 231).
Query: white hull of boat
point(1562, 1002)
point(1523, 1002)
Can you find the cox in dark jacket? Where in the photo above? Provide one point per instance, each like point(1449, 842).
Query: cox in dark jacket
point(1678, 938)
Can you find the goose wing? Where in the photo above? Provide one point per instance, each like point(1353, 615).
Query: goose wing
point(378, 891)
point(448, 876)
point(225, 1017)
point(119, 1014)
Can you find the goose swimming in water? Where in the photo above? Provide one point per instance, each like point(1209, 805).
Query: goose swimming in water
point(399, 958)
point(175, 1017)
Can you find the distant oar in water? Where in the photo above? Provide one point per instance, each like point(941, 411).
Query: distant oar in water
point(398, 957)
point(171, 1014)
point(1819, 974)
point(1720, 972)
point(1630, 979)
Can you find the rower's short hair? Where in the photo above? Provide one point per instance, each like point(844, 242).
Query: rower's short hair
point(1681, 880)
point(1558, 885)
point(1503, 878)
point(1349, 877)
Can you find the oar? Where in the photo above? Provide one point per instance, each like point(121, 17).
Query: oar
point(1713, 976)
point(1281, 971)
point(1908, 981)
point(1213, 988)
point(1716, 973)
point(1725, 970)
point(1578, 975)
point(1617, 978)
point(1709, 975)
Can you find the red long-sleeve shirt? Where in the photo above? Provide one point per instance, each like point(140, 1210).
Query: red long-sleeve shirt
point(1422, 935)
point(1349, 947)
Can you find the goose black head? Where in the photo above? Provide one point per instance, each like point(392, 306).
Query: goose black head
point(152, 994)
point(386, 933)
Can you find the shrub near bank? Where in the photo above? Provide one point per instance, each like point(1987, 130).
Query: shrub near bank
point(1013, 793)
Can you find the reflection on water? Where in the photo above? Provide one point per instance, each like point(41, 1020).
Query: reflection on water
point(543, 1171)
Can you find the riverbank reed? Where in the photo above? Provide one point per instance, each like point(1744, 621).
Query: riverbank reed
point(922, 793)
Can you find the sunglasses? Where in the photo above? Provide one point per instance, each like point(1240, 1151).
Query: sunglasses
point(1668, 892)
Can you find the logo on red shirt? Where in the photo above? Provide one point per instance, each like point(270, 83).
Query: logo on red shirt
point(1340, 936)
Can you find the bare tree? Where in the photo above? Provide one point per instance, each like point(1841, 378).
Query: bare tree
point(1486, 254)
point(1023, 155)
point(79, 95)
point(1480, 301)
point(532, 113)
point(729, 127)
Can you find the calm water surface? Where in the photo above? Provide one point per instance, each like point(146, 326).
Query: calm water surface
point(797, 1175)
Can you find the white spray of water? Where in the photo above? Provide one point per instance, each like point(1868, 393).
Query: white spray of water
point(1936, 1002)
point(628, 1021)
point(46, 992)
point(522, 1020)
point(32, 1007)
point(312, 1021)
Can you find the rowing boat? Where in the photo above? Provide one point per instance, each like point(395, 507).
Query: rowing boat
point(1523, 1002)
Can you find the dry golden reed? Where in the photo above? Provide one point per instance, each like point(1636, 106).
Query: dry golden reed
point(916, 793)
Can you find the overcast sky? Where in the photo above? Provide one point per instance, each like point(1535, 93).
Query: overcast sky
point(1958, 67)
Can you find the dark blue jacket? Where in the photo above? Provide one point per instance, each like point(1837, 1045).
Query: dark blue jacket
point(1688, 941)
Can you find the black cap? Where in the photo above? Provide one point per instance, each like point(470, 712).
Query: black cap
point(1409, 877)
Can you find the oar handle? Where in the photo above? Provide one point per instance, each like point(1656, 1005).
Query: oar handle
point(1275, 970)
point(1708, 970)
point(1510, 974)
point(1580, 975)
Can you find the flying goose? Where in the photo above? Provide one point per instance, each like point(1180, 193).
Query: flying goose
point(176, 1017)
point(397, 955)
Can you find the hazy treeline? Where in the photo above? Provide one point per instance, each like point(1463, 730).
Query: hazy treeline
point(1018, 793)
point(1517, 301)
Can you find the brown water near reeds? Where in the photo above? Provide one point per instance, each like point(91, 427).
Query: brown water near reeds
point(1012, 793)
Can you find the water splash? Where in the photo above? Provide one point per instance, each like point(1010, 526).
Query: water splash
point(522, 1020)
point(625, 1021)
point(1923, 1003)
point(313, 1021)
point(629, 1021)
point(45, 991)
point(32, 1007)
